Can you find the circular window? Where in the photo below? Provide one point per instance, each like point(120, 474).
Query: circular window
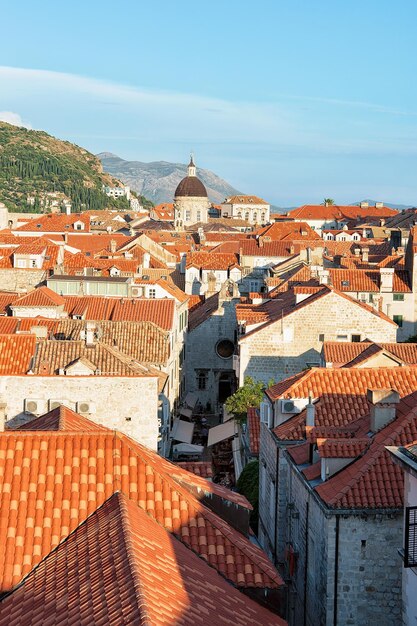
point(225, 348)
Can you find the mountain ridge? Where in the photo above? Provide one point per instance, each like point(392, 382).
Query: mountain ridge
point(157, 180)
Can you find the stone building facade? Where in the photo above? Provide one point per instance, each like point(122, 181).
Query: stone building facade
point(128, 404)
point(252, 209)
point(293, 341)
point(210, 348)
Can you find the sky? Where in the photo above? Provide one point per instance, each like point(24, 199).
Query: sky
point(291, 100)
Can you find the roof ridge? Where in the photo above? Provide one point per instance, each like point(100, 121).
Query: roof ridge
point(218, 522)
point(144, 617)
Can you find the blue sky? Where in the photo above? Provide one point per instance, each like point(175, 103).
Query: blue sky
point(293, 101)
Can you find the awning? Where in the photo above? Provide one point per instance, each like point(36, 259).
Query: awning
point(182, 431)
point(237, 457)
point(191, 399)
point(187, 448)
point(222, 432)
point(185, 412)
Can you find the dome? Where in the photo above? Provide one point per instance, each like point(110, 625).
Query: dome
point(191, 186)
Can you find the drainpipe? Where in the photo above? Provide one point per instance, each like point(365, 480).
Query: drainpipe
point(276, 505)
point(306, 565)
point(336, 571)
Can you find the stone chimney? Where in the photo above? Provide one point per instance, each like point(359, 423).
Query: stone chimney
point(324, 277)
point(146, 260)
point(260, 242)
point(3, 407)
point(357, 251)
point(383, 407)
point(379, 205)
point(90, 329)
point(113, 246)
point(365, 255)
point(364, 205)
point(310, 413)
point(386, 279)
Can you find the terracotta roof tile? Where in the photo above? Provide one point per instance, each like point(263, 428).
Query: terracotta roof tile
point(367, 280)
point(341, 394)
point(16, 354)
point(254, 429)
point(239, 199)
point(62, 418)
point(67, 475)
point(342, 448)
point(42, 296)
point(203, 469)
point(340, 212)
point(211, 260)
point(353, 353)
point(121, 567)
point(374, 480)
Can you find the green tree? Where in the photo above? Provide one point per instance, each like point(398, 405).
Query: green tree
point(328, 202)
point(250, 394)
point(248, 485)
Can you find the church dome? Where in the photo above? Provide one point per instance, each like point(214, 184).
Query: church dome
point(191, 186)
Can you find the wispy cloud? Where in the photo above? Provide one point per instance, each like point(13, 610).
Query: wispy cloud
point(13, 118)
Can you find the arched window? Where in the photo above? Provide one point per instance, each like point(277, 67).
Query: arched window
point(247, 215)
point(239, 215)
point(263, 218)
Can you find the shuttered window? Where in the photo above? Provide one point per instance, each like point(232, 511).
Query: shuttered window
point(410, 556)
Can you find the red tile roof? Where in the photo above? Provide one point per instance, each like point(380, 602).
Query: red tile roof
point(204, 469)
point(374, 480)
point(342, 448)
point(211, 260)
point(54, 223)
point(121, 567)
point(288, 230)
point(64, 476)
point(339, 212)
point(341, 394)
point(62, 418)
point(245, 200)
point(368, 280)
point(40, 297)
point(16, 354)
point(6, 299)
point(254, 429)
point(351, 354)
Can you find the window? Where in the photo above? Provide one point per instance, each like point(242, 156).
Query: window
point(33, 263)
point(398, 297)
point(202, 379)
point(321, 337)
point(198, 216)
point(341, 337)
point(356, 338)
point(225, 348)
point(152, 293)
point(410, 547)
point(398, 319)
point(187, 216)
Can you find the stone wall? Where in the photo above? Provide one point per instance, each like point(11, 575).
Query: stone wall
point(201, 351)
point(21, 279)
point(115, 398)
point(288, 346)
point(367, 571)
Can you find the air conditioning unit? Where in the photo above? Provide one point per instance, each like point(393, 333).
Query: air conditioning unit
point(86, 407)
point(53, 404)
point(35, 406)
point(288, 406)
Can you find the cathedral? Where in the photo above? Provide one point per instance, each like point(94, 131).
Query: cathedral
point(191, 203)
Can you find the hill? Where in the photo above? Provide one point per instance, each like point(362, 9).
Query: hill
point(34, 164)
point(159, 179)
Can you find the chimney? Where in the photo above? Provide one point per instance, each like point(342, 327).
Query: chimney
point(364, 205)
point(310, 413)
point(383, 407)
point(337, 259)
point(379, 205)
point(44, 368)
point(386, 279)
point(292, 249)
point(324, 277)
point(365, 255)
point(40, 332)
point(3, 407)
point(90, 328)
point(146, 260)
point(357, 251)
point(260, 242)
point(113, 246)
point(382, 222)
